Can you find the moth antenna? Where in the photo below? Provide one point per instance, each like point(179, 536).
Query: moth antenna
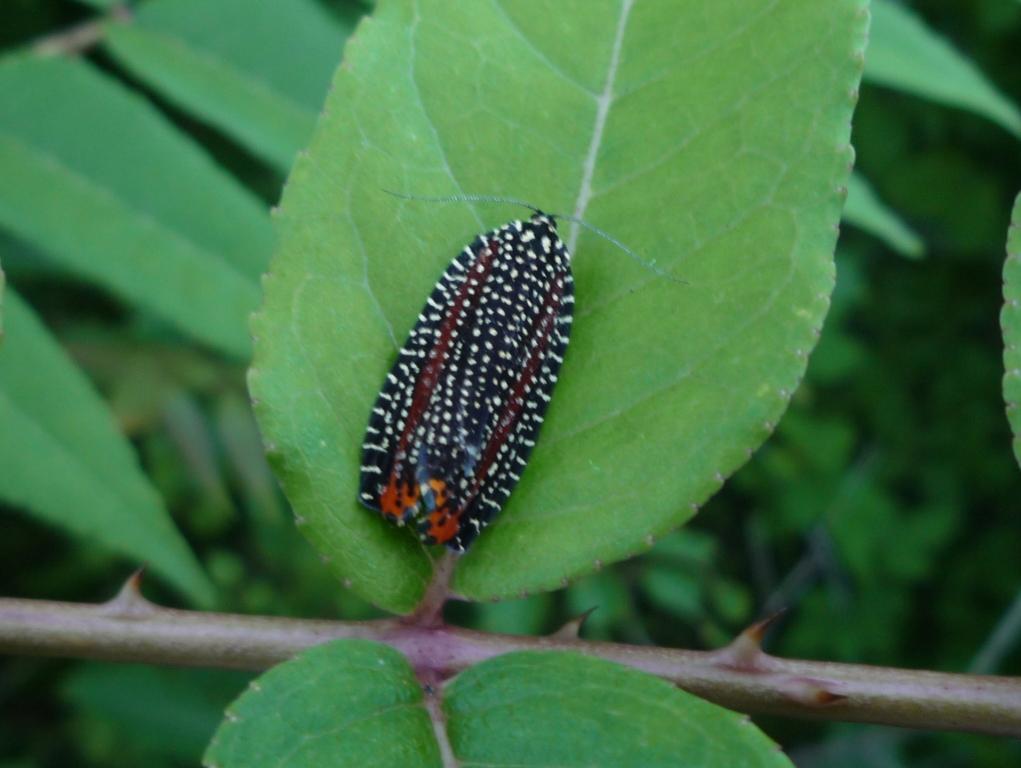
point(472, 198)
point(467, 198)
point(647, 263)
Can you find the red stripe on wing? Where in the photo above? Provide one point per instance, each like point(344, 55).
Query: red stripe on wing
point(396, 503)
point(542, 329)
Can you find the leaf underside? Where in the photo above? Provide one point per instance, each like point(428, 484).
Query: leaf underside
point(355, 703)
point(713, 139)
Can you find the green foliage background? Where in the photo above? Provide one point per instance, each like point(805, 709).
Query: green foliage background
point(884, 511)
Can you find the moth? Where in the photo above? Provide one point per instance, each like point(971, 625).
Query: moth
point(460, 410)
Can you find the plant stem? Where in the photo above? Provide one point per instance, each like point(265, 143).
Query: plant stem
point(739, 676)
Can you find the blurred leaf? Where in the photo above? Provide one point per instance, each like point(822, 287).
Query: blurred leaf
point(243, 446)
point(669, 384)
point(528, 616)
point(864, 209)
point(162, 712)
point(853, 746)
point(822, 443)
point(93, 175)
point(257, 70)
point(605, 595)
point(859, 626)
point(354, 703)
point(688, 547)
point(732, 600)
point(1010, 320)
point(65, 463)
point(563, 709)
point(227, 570)
point(954, 193)
point(881, 541)
point(346, 703)
point(139, 378)
point(187, 427)
point(837, 357)
point(673, 592)
point(905, 54)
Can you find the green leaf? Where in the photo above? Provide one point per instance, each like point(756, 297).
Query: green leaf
point(564, 709)
point(724, 164)
point(95, 177)
point(346, 703)
point(355, 703)
point(65, 462)
point(528, 616)
point(258, 71)
point(864, 209)
point(1010, 320)
point(905, 54)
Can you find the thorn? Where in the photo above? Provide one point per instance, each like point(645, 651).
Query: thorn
point(134, 581)
point(824, 697)
point(128, 602)
point(809, 691)
point(757, 631)
point(572, 629)
point(745, 650)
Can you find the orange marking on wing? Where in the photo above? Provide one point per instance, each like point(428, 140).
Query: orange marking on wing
point(397, 498)
point(443, 525)
point(444, 522)
point(439, 489)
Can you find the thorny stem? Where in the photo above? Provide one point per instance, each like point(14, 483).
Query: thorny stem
point(740, 676)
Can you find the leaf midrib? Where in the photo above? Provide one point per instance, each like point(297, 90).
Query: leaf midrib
point(603, 103)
